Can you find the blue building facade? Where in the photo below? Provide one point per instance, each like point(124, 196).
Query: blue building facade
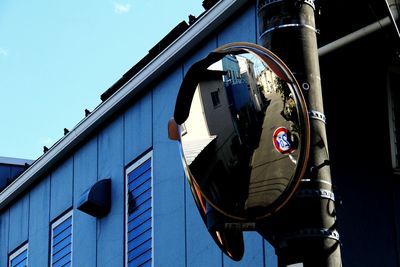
point(153, 220)
point(39, 219)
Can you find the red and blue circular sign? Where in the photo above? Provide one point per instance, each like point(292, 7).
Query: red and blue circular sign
point(282, 141)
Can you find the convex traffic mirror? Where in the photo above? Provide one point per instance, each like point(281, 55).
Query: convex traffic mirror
point(243, 128)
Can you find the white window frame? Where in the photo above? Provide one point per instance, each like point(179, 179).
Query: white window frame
point(392, 127)
point(19, 252)
point(128, 170)
point(57, 223)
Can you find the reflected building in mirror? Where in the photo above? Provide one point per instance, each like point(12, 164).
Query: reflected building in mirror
point(222, 130)
point(264, 79)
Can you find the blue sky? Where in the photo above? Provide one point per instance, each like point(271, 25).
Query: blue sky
point(58, 57)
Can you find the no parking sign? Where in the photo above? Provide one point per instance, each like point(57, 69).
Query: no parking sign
point(281, 140)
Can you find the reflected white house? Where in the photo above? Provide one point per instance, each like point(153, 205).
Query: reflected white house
point(248, 74)
point(263, 81)
point(210, 127)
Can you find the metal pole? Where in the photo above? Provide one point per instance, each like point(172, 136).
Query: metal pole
point(305, 230)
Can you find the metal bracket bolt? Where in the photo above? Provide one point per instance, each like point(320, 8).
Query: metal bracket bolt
point(305, 86)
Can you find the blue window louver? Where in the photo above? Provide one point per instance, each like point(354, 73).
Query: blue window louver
point(139, 212)
point(61, 245)
point(19, 258)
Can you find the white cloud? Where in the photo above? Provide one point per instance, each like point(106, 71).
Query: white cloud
point(121, 8)
point(3, 52)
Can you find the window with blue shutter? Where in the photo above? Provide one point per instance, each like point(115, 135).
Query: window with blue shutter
point(139, 213)
point(19, 258)
point(61, 241)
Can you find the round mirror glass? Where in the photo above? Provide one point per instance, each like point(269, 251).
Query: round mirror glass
point(245, 134)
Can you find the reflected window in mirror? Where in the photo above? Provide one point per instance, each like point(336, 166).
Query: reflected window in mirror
point(215, 98)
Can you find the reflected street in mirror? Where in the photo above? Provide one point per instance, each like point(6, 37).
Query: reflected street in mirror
point(243, 137)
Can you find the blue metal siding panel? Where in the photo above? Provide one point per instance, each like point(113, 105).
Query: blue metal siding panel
point(61, 189)
point(200, 53)
point(4, 231)
point(241, 28)
point(138, 128)
point(85, 175)
point(139, 226)
point(271, 260)
point(19, 219)
point(110, 245)
point(201, 248)
point(85, 168)
point(39, 223)
point(168, 185)
point(254, 254)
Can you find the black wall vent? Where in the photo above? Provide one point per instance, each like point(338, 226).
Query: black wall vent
point(96, 201)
